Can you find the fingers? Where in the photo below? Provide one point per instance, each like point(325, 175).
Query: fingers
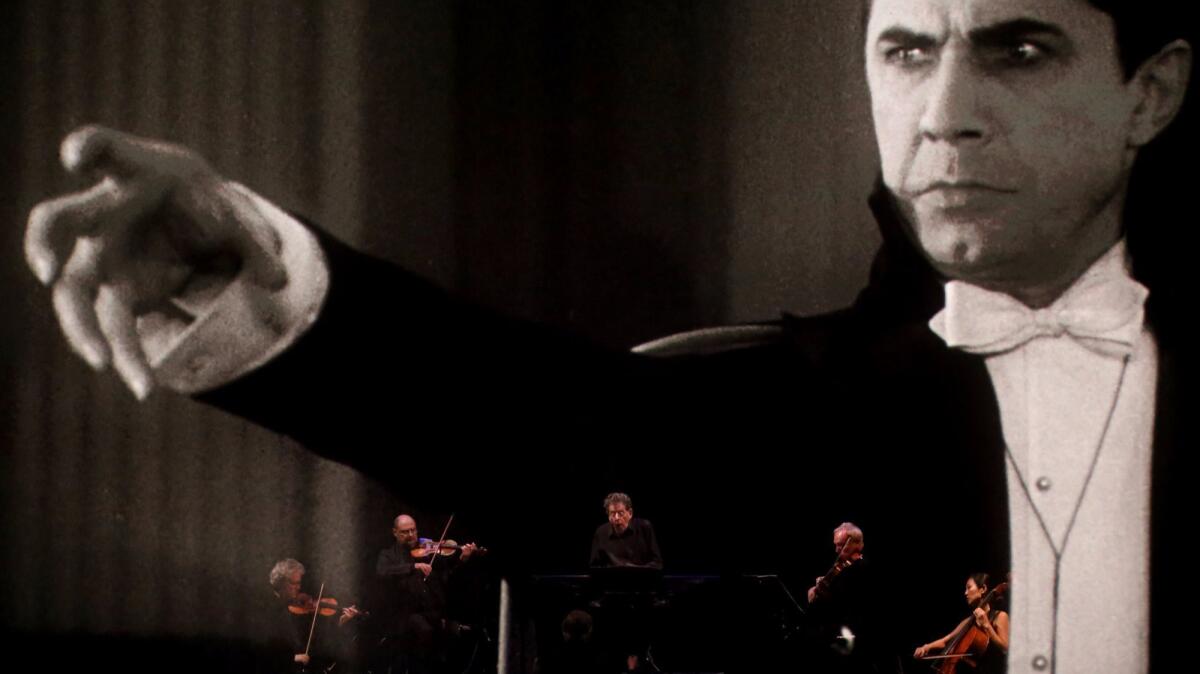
point(105, 247)
point(115, 157)
point(84, 148)
point(74, 303)
point(55, 224)
point(108, 152)
point(98, 320)
point(114, 313)
point(136, 174)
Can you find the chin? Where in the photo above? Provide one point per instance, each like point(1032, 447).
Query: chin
point(955, 250)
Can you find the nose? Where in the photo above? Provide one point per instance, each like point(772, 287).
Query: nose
point(955, 110)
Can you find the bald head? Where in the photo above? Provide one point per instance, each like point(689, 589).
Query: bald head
point(404, 529)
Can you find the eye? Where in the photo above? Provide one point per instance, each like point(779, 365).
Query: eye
point(908, 57)
point(1022, 54)
point(1027, 51)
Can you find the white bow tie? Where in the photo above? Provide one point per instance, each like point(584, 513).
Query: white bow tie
point(1102, 312)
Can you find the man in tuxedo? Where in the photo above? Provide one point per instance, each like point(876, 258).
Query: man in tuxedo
point(1017, 351)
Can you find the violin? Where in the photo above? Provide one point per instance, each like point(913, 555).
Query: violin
point(822, 585)
point(427, 548)
point(844, 560)
point(303, 604)
point(970, 639)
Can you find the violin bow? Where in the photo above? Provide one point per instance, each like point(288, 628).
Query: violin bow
point(316, 612)
point(438, 550)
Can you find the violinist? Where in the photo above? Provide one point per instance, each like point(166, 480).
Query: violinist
point(412, 596)
point(291, 620)
point(843, 611)
point(991, 622)
point(399, 560)
point(848, 541)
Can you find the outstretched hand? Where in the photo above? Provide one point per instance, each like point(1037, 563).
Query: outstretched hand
point(157, 230)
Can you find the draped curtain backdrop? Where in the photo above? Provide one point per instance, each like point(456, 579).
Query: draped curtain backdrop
point(621, 169)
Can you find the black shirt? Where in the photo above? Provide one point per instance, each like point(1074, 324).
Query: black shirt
point(636, 546)
point(402, 590)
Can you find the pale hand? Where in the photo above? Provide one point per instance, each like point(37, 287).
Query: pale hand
point(159, 228)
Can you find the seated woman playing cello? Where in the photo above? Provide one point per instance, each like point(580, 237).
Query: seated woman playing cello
point(981, 637)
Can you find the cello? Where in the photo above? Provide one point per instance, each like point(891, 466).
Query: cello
point(969, 641)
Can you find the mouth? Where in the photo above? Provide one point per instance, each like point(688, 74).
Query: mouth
point(966, 187)
point(962, 197)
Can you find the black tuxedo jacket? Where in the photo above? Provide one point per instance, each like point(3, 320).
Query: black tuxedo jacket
point(777, 434)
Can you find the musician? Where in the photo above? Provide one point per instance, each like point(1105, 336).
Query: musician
point(842, 611)
point(288, 632)
point(848, 542)
point(624, 540)
point(992, 621)
point(412, 598)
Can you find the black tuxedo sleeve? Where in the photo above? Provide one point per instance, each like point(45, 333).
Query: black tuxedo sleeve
point(400, 379)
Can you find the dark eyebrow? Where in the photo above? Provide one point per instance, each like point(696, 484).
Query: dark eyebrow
point(1008, 32)
point(907, 37)
point(1005, 32)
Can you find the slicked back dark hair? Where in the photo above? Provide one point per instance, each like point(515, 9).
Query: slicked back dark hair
point(1142, 27)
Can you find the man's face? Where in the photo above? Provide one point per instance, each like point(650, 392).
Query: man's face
point(619, 516)
point(405, 531)
point(291, 586)
point(1003, 131)
point(839, 541)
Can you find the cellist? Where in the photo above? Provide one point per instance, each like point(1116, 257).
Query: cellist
point(990, 628)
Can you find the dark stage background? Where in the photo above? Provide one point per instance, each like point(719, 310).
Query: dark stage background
point(623, 169)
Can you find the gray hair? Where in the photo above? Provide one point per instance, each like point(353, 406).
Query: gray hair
point(618, 497)
point(282, 570)
point(853, 533)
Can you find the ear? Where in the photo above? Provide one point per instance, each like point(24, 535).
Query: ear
point(1160, 84)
